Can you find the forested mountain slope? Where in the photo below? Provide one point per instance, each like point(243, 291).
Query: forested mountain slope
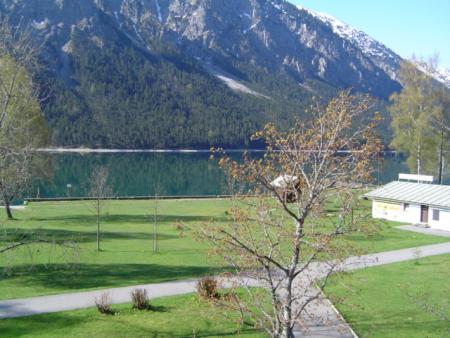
point(189, 73)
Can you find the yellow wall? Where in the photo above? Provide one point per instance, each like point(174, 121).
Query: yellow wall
point(387, 206)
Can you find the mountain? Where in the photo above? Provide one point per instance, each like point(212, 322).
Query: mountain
point(383, 57)
point(191, 73)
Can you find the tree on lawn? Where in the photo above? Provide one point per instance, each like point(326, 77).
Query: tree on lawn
point(22, 126)
point(157, 194)
point(441, 124)
point(22, 129)
point(99, 192)
point(277, 233)
point(415, 111)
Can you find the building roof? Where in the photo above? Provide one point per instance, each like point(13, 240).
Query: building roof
point(416, 193)
point(283, 181)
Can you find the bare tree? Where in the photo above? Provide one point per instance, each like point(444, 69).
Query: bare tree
point(155, 223)
point(157, 191)
point(22, 126)
point(277, 232)
point(99, 192)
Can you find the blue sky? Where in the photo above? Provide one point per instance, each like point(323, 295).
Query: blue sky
point(420, 27)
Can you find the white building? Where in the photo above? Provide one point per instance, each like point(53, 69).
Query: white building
point(415, 203)
point(287, 186)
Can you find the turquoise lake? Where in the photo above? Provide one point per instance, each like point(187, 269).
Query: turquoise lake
point(167, 174)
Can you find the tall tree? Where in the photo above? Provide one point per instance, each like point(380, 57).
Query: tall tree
point(412, 111)
point(441, 124)
point(22, 125)
point(276, 233)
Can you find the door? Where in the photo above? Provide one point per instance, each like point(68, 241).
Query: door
point(424, 213)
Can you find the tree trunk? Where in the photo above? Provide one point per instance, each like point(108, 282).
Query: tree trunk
point(419, 166)
point(8, 208)
point(288, 331)
point(155, 226)
point(98, 225)
point(441, 156)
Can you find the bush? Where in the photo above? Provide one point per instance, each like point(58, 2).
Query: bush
point(207, 288)
point(103, 303)
point(181, 228)
point(140, 300)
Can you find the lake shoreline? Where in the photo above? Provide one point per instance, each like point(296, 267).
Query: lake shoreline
point(115, 151)
point(138, 172)
point(61, 150)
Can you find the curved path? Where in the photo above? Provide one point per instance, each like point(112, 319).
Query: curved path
point(327, 322)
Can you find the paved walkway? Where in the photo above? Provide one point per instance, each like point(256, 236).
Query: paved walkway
point(423, 230)
point(80, 300)
point(322, 321)
point(18, 207)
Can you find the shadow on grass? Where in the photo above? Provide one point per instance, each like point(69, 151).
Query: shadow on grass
point(61, 278)
point(80, 324)
point(38, 325)
point(76, 236)
point(91, 219)
point(158, 308)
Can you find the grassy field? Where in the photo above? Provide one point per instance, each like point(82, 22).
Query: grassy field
point(126, 257)
point(397, 300)
point(181, 316)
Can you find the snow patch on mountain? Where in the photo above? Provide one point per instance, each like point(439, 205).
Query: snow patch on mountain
point(368, 45)
point(138, 34)
point(41, 25)
point(439, 74)
point(232, 82)
point(443, 75)
point(239, 87)
point(158, 9)
point(381, 55)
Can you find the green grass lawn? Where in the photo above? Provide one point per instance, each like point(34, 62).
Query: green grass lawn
point(127, 257)
point(180, 316)
point(396, 300)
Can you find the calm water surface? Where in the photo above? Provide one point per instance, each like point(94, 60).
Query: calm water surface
point(144, 174)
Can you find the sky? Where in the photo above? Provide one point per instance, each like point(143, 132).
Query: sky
point(419, 27)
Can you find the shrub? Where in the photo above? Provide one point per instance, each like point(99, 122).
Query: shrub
point(180, 227)
point(139, 297)
point(103, 303)
point(207, 288)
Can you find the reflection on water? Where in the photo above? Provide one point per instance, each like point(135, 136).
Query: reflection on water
point(169, 174)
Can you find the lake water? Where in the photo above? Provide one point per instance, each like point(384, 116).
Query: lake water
point(169, 174)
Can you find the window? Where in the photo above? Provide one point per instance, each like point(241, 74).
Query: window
point(405, 206)
point(435, 215)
